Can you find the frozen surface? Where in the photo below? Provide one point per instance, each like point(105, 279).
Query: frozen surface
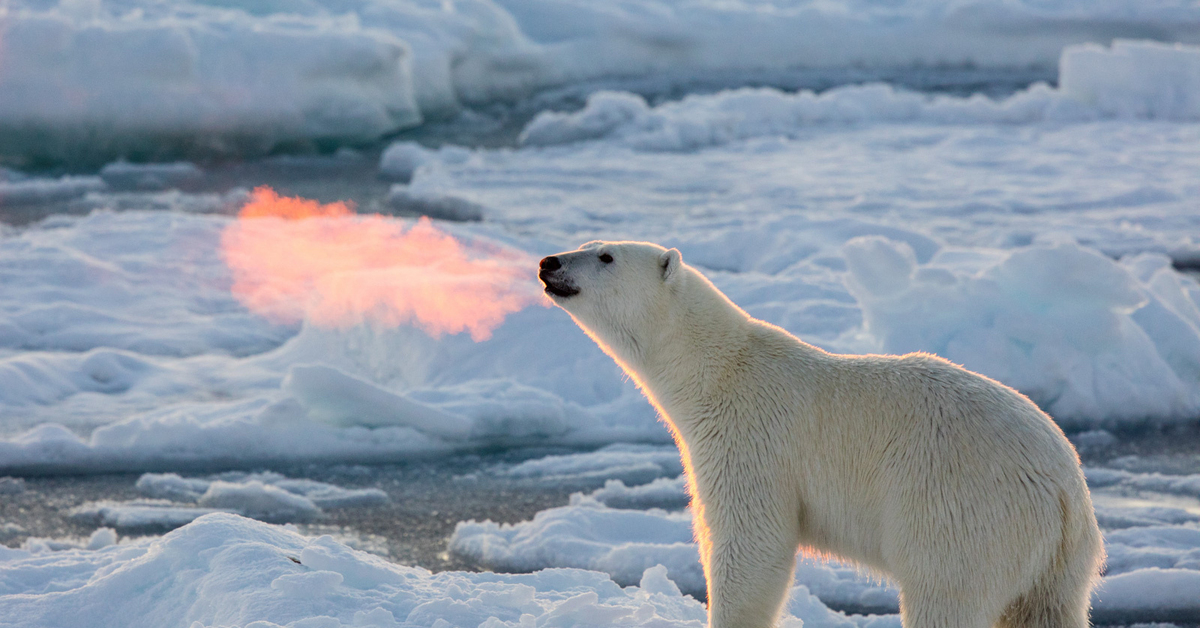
point(146, 78)
point(227, 570)
point(1154, 553)
point(1039, 254)
point(1153, 81)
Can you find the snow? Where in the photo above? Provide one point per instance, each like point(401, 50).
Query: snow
point(86, 79)
point(620, 539)
point(226, 570)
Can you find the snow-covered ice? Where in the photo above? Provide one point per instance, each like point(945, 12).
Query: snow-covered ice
point(1039, 254)
point(88, 79)
point(226, 570)
point(873, 199)
point(1154, 81)
point(1153, 564)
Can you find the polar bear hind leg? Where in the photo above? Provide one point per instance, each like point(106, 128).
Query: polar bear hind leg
point(1061, 597)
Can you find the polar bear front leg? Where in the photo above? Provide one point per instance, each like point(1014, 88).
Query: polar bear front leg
point(749, 570)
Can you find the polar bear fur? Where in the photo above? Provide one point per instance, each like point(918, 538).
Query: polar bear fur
point(956, 486)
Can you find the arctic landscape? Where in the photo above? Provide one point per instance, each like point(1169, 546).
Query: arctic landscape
point(273, 351)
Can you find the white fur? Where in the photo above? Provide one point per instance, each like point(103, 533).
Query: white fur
point(955, 485)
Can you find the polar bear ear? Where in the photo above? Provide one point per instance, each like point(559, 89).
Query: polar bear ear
point(669, 263)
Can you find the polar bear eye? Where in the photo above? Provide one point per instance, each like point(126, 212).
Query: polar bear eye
point(606, 258)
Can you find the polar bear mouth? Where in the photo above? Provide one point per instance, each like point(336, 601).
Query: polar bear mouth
point(555, 287)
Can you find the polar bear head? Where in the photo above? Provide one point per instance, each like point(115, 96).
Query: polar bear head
point(621, 293)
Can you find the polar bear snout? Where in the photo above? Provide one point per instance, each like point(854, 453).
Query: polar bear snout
point(550, 271)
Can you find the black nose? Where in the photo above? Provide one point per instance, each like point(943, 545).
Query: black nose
point(550, 263)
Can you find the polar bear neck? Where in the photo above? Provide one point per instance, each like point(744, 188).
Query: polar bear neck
point(693, 350)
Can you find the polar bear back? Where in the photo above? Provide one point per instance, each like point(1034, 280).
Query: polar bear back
point(866, 441)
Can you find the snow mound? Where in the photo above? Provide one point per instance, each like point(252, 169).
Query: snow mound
point(1152, 81)
point(1086, 337)
point(227, 570)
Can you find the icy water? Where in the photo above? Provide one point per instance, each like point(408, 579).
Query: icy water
point(425, 501)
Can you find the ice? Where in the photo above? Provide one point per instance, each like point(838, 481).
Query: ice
point(257, 500)
point(122, 175)
point(226, 570)
point(621, 543)
point(1188, 485)
point(1154, 81)
point(401, 160)
point(1158, 591)
point(405, 202)
point(267, 496)
point(589, 535)
point(203, 81)
point(665, 493)
point(1164, 547)
point(87, 81)
point(331, 395)
point(10, 485)
point(140, 514)
point(1074, 330)
point(121, 346)
point(40, 191)
point(1134, 79)
point(632, 464)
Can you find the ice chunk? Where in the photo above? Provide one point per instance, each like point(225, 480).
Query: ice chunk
point(401, 160)
point(258, 500)
point(334, 396)
point(665, 493)
point(632, 464)
point(122, 175)
point(1057, 323)
point(1134, 79)
point(442, 207)
point(42, 191)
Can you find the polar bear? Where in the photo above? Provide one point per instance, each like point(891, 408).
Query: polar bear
point(954, 485)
